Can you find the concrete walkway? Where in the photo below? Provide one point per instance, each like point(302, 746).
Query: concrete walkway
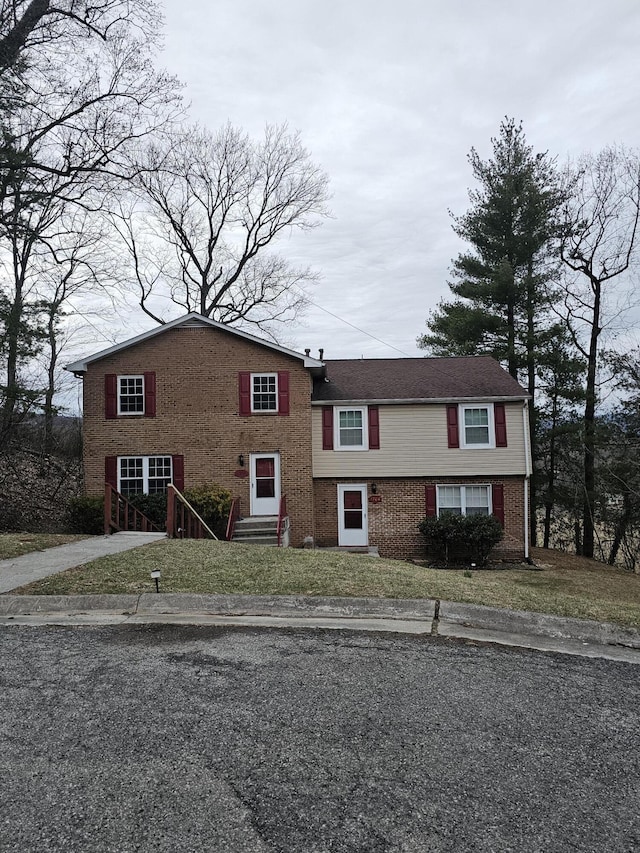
point(470, 622)
point(40, 564)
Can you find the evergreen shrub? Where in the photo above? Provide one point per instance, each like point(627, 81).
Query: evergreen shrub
point(213, 503)
point(153, 506)
point(86, 515)
point(462, 538)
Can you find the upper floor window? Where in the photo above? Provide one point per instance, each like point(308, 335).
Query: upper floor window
point(351, 429)
point(131, 395)
point(264, 392)
point(477, 426)
point(149, 475)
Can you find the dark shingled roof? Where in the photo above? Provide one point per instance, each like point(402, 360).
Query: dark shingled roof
point(416, 379)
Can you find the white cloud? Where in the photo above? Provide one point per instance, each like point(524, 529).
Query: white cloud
point(389, 98)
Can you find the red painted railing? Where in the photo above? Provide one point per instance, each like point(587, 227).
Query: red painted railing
point(282, 519)
point(120, 515)
point(183, 522)
point(234, 515)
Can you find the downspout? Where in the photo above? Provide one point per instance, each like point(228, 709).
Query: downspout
point(527, 476)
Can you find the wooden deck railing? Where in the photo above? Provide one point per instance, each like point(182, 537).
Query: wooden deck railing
point(183, 522)
point(283, 520)
point(234, 515)
point(121, 515)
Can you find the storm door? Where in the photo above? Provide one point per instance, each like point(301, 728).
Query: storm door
point(265, 483)
point(352, 515)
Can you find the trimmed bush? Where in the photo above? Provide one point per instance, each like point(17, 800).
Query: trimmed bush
point(463, 538)
point(212, 502)
point(153, 506)
point(86, 515)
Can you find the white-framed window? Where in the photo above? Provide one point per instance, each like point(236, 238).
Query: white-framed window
point(350, 428)
point(149, 475)
point(264, 392)
point(476, 426)
point(464, 500)
point(131, 395)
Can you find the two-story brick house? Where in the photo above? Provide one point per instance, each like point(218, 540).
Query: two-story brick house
point(363, 449)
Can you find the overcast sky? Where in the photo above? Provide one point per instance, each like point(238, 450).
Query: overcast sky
point(389, 97)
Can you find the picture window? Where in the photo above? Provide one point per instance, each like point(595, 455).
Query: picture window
point(149, 475)
point(464, 500)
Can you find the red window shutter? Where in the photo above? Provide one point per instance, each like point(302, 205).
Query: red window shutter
point(452, 426)
point(283, 392)
point(497, 493)
point(327, 427)
point(177, 463)
point(111, 395)
point(111, 471)
point(500, 424)
point(430, 499)
point(150, 394)
point(244, 393)
point(374, 428)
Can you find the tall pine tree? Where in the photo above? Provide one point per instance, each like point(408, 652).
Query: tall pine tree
point(504, 283)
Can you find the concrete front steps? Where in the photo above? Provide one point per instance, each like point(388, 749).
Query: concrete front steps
point(257, 530)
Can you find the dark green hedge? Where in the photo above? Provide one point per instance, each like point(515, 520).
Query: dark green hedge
point(86, 515)
point(461, 538)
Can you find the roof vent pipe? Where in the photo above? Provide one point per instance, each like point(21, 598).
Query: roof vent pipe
point(321, 351)
point(307, 352)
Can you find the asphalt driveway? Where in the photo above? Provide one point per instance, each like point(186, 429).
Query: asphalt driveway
point(175, 738)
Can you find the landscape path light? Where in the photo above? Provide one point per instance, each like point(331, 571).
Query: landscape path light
point(155, 575)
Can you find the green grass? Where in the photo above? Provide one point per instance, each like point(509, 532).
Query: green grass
point(17, 544)
point(567, 585)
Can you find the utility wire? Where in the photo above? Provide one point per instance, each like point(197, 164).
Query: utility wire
point(310, 301)
point(357, 328)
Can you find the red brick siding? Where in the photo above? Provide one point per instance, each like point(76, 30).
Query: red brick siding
point(197, 416)
point(393, 522)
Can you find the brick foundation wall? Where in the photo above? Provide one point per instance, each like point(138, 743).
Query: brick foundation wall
point(197, 416)
point(393, 521)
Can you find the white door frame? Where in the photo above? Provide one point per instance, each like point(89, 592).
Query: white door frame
point(349, 536)
point(264, 506)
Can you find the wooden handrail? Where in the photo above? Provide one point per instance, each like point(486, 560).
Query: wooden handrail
point(183, 520)
point(120, 514)
point(234, 515)
point(282, 515)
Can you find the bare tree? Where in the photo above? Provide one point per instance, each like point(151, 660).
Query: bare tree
point(208, 209)
point(81, 89)
point(78, 89)
point(598, 245)
point(28, 25)
point(73, 262)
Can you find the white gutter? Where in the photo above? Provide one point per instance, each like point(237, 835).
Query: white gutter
point(402, 401)
point(527, 475)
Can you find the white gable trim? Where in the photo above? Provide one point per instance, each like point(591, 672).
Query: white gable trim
point(189, 321)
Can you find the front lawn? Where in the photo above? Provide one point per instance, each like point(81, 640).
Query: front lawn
point(566, 586)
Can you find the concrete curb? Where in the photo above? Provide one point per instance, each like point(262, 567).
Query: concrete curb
point(288, 605)
point(162, 604)
point(538, 624)
point(471, 616)
point(24, 605)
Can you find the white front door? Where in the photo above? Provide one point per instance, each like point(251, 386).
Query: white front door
point(352, 515)
point(265, 483)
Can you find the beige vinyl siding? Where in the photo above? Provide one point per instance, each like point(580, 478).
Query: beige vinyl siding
point(413, 443)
